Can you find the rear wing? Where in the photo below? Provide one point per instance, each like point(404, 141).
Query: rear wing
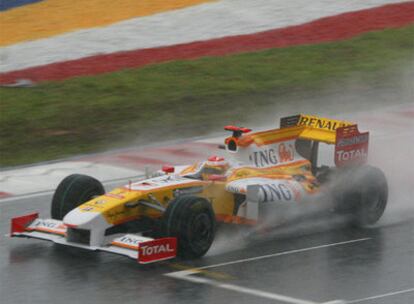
point(351, 146)
point(315, 128)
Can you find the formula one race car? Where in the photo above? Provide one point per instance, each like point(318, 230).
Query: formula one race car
point(176, 212)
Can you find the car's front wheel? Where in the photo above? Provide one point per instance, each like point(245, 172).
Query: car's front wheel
point(73, 191)
point(191, 219)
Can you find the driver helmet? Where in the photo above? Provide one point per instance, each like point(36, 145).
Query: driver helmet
point(216, 165)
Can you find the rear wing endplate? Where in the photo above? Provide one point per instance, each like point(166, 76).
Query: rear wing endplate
point(351, 147)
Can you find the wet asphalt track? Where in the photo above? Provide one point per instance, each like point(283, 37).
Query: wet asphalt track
point(378, 264)
point(316, 262)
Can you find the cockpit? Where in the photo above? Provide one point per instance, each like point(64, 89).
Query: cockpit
point(215, 166)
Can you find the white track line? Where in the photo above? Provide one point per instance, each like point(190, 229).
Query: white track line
point(284, 253)
point(381, 296)
point(187, 275)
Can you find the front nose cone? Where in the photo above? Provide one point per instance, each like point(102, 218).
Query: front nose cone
point(85, 220)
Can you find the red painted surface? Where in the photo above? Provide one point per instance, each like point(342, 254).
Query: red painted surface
point(157, 250)
point(19, 224)
point(351, 147)
point(4, 194)
point(327, 29)
point(168, 169)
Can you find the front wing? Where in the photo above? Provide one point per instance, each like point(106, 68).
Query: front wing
point(143, 249)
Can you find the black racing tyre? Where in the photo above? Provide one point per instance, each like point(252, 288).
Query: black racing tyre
point(191, 219)
point(366, 195)
point(73, 191)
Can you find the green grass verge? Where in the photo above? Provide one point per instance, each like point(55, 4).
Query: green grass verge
point(89, 114)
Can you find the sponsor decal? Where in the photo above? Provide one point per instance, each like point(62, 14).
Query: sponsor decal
point(264, 158)
point(342, 142)
point(277, 154)
point(157, 250)
point(47, 224)
point(129, 241)
point(320, 123)
point(351, 146)
point(286, 154)
point(274, 192)
point(345, 156)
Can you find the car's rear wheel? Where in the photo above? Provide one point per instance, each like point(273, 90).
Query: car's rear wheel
point(73, 191)
point(365, 195)
point(191, 219)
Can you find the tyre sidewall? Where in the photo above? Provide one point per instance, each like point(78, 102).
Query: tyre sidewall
point(373, 197)
point(363, 194)
point(181, 219)
point(73, 191)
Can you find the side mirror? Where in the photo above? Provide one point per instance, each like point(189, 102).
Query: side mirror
point(168, 169)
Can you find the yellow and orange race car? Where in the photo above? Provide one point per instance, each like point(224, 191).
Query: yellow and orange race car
point(176, 211)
